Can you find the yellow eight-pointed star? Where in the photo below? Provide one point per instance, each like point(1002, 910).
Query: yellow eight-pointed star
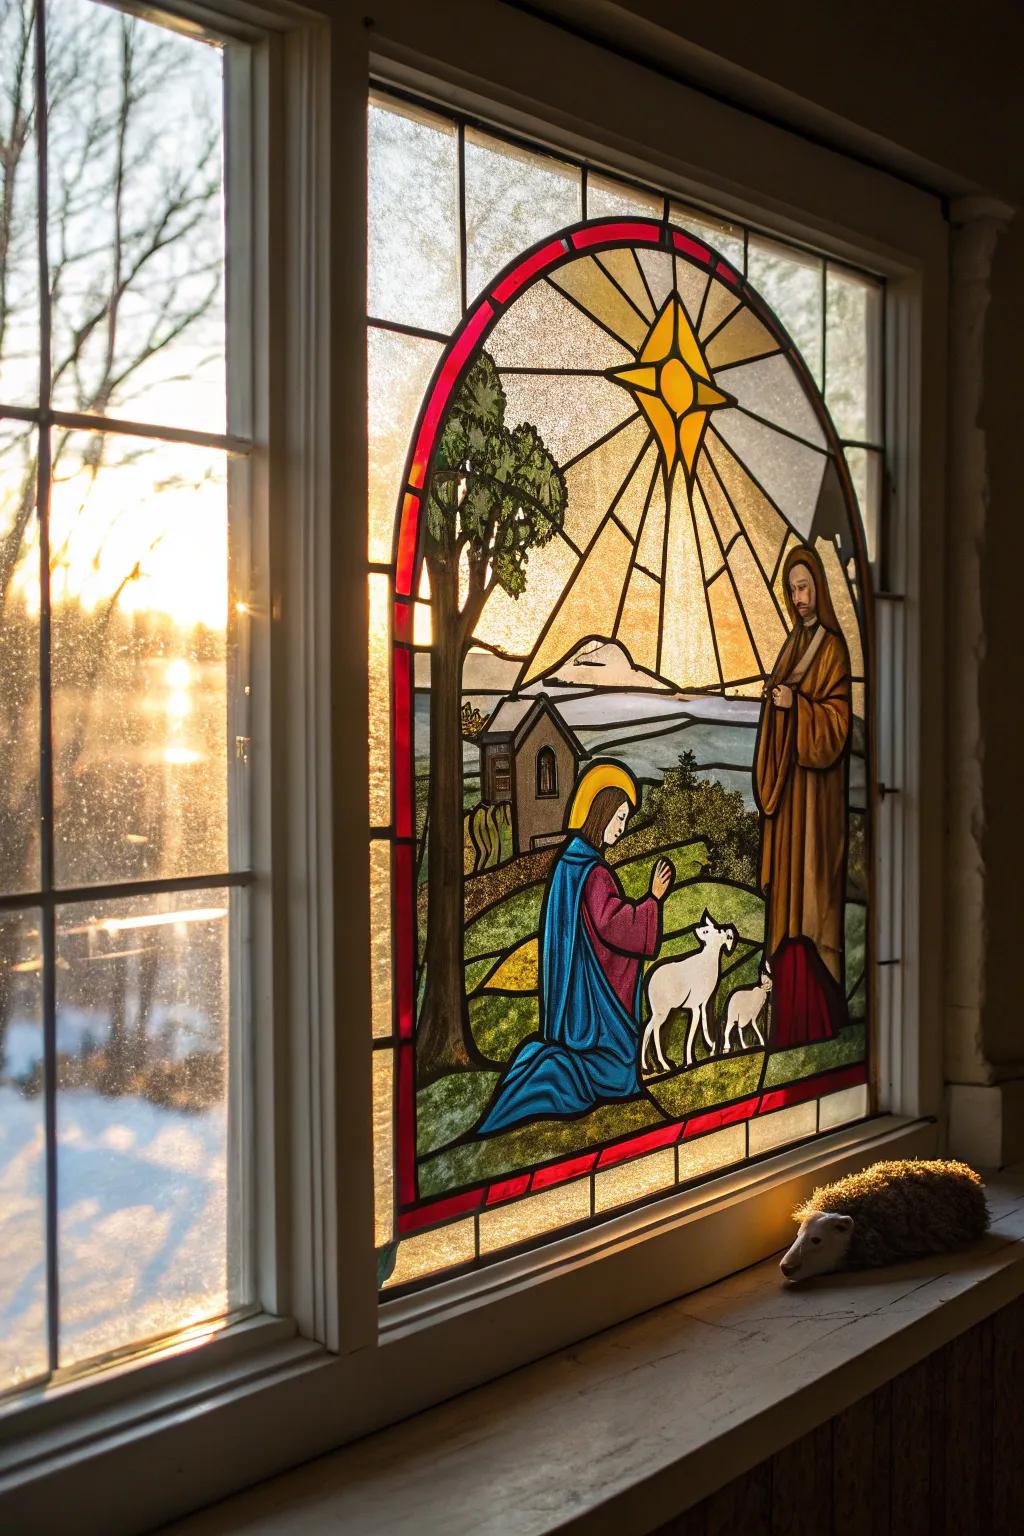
point(673, 386)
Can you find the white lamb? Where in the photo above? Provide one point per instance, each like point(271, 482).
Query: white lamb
point(689, 983)
point(744, 1011)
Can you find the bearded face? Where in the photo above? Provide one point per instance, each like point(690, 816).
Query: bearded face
point(802, 592)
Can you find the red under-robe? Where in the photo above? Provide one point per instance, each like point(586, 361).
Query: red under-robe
point(622, 932)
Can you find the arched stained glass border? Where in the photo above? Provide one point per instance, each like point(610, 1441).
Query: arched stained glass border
point(601, 404)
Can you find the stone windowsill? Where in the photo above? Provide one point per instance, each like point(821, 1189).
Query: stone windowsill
point(623, 1431)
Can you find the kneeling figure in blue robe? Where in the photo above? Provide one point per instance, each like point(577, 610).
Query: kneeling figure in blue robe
point(593, 942)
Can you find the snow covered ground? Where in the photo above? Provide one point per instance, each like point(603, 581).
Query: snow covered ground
point(142, 1199)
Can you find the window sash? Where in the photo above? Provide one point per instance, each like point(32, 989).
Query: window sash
point(237, 447)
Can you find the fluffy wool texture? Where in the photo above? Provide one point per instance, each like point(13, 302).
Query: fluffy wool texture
point(904, 1210)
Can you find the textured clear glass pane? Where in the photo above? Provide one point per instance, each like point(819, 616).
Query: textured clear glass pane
point(380, 937)
point(865, 466)
point(791, 283)
point(853, 359)
point(723, 237)
point(19, 648)
point(413, 254)
point(610, 199)
point(513, 199)
point(399, 369)
point(430, 1252)
point(148, 1175)
point(139, 558)
point(23, 1346)
point(19, 265)
point(135, 222)
point(383, 1147)
point(379, 643)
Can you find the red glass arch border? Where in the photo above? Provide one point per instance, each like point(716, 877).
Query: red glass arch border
point(483, 315)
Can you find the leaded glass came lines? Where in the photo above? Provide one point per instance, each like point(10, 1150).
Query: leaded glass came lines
point(639, 678)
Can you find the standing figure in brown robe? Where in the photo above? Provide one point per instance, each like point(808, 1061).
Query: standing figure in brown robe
point(800, 785)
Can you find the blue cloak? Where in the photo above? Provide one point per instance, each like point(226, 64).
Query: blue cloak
point(588, 1048)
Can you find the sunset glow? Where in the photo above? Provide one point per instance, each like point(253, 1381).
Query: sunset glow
point(149, 528)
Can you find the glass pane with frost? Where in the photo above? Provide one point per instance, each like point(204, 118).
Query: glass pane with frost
point(722, 236)
point(141, 660)
point(135, 219)
point(19, 648)
point(790, 282)
point(149, 1173)
point(413, 229)
point(608, 199)
point(513, 199)
point(23, 1328)
point(19, 261)
point(865, 466)
point(853, 355)
point(399, 368)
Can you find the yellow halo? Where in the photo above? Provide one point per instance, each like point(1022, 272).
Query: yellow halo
point(600, 776)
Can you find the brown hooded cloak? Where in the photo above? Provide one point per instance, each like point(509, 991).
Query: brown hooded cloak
point(800, 786)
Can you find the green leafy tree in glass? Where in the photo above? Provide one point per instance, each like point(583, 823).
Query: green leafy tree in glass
point(495, 493)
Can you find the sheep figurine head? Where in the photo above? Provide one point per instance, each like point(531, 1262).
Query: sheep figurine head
point(821, 1246)
point(888, 1213)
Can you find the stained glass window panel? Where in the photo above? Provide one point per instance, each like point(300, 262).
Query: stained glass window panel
point(637, 591)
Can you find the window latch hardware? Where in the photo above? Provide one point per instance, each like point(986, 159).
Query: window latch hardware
point(887, 789)
point(242, 745)
point(894, 961)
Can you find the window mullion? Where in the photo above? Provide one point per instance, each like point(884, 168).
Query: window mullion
point(48, 933)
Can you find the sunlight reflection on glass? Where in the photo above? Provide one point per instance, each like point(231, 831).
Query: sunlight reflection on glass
point(139, 590)
point(145, 1166)
point(19, 648)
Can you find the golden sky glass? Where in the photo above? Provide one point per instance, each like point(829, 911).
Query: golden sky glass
point(672, 385)
point(670, 545)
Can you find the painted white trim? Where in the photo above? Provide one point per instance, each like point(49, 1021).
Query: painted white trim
point(150, 1463)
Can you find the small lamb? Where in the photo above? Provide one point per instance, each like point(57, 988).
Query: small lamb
point(887, 1214)
point(688, 983)
point(744, 1011)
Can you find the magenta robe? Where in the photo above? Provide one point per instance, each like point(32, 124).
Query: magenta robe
point(622, 932)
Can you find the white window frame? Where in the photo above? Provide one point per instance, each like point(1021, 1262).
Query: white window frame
point(321, 1362)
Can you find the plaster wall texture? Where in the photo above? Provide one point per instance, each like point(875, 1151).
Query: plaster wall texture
point(929, 79)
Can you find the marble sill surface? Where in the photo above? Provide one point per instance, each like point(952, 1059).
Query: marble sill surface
point(623, 1431)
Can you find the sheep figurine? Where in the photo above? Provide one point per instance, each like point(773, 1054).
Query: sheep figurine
point(886, 1214)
